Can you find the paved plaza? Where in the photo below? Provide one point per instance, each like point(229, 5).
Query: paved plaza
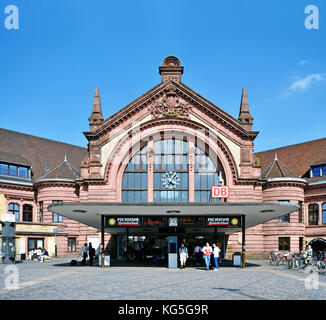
point(56, 279)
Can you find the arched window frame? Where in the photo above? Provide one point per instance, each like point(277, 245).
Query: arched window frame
point(14, 208)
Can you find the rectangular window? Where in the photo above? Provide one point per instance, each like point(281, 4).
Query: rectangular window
point(57, 218)
point(35, 243)
point(4, 169)
point(284, 243)
point(23, 172)
point(300, 212)
point(71, 244)
point(41, 211)
point(323, 170)
point(13, 170)
point(323, 207)
point(286, 217)
point(316, 172)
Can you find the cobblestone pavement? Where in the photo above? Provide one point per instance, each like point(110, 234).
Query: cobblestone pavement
point(56, 279)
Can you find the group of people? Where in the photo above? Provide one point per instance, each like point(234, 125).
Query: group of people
point(38, 254)
point(209, 253)
point(89, 252)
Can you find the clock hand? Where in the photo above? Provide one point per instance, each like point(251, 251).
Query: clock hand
point(170, 179)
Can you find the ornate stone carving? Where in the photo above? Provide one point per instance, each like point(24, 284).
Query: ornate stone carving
point(170, 105)
point(85, 162)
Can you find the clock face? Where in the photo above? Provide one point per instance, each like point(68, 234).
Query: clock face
point(173, 222)
point(170, 180)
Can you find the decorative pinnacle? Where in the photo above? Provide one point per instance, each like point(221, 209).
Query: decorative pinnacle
point(96, 115)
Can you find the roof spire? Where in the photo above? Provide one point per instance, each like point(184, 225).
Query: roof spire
point(96, 118)
point(275, 157)
point(244, 115)
point(65, 159)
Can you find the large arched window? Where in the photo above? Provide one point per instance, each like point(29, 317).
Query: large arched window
point(171, 171)
point(13, 208)
point(206, 176)
point(134, 183)
point(313, 211)
point(173, 179)
point(27, 213)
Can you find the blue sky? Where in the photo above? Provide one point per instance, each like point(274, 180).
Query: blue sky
point(64, 49)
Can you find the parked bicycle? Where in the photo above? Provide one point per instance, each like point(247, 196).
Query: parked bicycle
point(274, 257)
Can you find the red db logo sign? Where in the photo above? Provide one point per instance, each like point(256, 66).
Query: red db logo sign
point(220, 192)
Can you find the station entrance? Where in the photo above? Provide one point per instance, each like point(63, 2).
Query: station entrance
point(155, 249)
point(168, 224)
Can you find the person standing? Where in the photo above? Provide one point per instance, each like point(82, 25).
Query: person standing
point(91, 253)
point(207, 251)
point(216, 253)
point(197, 252)
point(183, 252)
point(83, 253)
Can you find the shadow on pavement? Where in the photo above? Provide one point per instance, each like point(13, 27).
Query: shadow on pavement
point(161, 264)
point(239, 292)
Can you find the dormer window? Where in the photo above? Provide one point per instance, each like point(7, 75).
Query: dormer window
point(318, 170)
point(14, 170)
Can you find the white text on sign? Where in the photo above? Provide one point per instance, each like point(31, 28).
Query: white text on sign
point(220, 192)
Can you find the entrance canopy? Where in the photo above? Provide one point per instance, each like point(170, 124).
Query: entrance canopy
point(89, 213)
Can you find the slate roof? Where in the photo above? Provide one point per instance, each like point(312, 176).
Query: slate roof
point(39, 152)
point(63, 171)
point(298, 158)
point(14, 158)
point(277, 169)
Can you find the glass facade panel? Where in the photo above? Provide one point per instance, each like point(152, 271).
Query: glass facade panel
point(171, 174)
point(134, 182)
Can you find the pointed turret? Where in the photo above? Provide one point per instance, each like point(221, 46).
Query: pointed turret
point(244, 115)
point(277, 169)
point(96, 118)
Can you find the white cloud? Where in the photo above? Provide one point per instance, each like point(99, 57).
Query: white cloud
point(302, 63)
point(304, 83)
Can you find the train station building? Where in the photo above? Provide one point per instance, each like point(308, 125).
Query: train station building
point(146, 178)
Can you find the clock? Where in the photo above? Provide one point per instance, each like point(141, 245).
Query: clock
point(173, 222)
point(170, 180)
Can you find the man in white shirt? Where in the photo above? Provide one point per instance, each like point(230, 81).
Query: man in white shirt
point(216, 252)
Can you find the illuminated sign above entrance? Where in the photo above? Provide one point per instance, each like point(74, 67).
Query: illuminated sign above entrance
point(123, 222)
point(173, 222)
point(234, 222)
